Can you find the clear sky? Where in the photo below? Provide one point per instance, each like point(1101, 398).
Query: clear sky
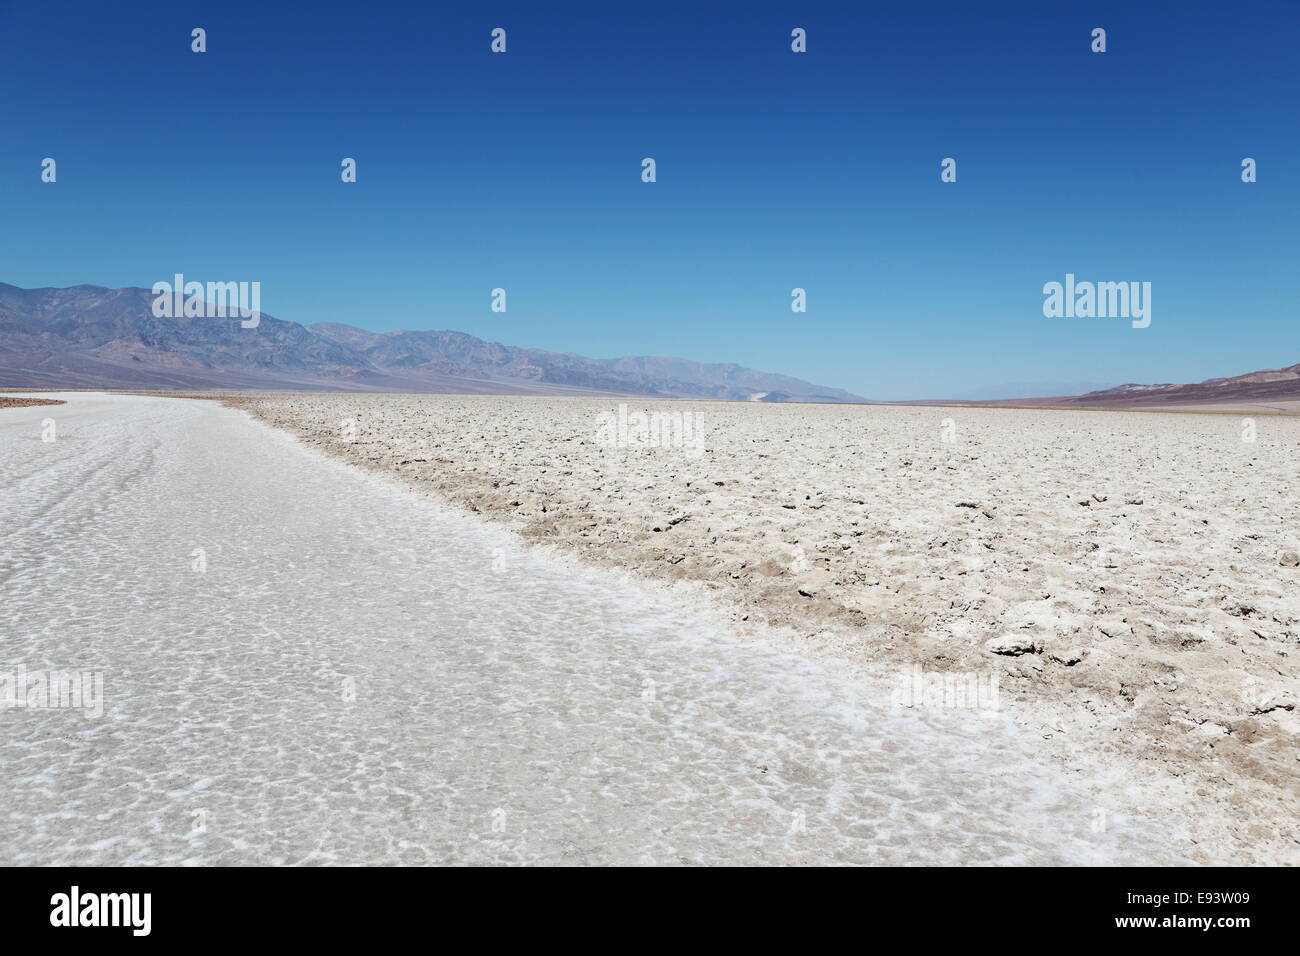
point(775, 170)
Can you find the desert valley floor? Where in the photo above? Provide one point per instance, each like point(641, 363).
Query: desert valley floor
point(762, 574)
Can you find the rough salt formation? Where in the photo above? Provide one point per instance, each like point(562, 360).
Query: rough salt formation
point(1134, 572)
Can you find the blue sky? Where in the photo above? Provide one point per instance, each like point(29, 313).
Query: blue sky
point(775, 170)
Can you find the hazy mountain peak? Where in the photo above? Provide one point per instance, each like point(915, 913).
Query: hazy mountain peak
point(92, 336)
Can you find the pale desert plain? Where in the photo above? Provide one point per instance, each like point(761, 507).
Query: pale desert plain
point(436, 629)
point(1129, 579)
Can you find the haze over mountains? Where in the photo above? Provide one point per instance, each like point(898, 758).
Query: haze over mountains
point(92, 337)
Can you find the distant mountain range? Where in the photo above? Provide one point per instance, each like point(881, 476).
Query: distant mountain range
point(92, 337)
point(1282, 384)
point(1267, 385)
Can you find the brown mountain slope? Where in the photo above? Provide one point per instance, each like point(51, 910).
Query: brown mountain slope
point(92, 337)
point(1267, 387)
